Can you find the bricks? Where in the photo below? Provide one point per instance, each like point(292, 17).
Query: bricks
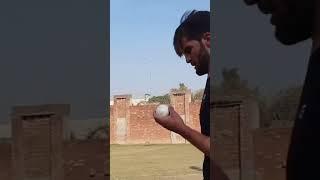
point(37, 141)
point(271, 147)
point(240, 145)
point(140, 125)
point(79, 158)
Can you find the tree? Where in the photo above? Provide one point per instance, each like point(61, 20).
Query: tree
point(182, 87)
point(284, 105)
point(100, 132)
point(232, 84)
point(197, 95)
point(165, 99)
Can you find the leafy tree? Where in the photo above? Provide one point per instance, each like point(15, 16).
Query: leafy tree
point(285, 103)
point(100, 132)
point(197, 95)
point(232, 85)
point(165, 99)
point(182, 87)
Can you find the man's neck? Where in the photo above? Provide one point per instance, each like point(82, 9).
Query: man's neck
point(316, 30)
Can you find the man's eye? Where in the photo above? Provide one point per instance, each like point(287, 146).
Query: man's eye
point(187, 50)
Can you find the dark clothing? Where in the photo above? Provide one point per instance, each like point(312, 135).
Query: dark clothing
point(205, 126)
point(303, 156)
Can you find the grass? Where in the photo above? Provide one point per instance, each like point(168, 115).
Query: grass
point(139, 162)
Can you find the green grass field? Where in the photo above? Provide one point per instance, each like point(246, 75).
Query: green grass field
point(160, 162)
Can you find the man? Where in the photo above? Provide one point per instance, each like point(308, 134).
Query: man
point(296, 21)
point(192, 40)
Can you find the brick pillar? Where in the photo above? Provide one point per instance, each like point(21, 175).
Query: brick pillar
point(121, 110)
point(180, 100)
point(37, 148)
point(249, 122)
point(234, 122)
point(226, 137)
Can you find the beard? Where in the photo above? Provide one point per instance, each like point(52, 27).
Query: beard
point(294, 32)
point(297, 25)
point(204, 59)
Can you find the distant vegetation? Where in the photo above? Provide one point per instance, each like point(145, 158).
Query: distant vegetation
point(100, 132)
point(165, 99)
point(279, 107)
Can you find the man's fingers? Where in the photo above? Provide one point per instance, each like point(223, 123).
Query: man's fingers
point(158, 119)
point(171, 110)
point(154, 114)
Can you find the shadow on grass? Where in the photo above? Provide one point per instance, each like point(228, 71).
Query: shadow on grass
point(195, 168)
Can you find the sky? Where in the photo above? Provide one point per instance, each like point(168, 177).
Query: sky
point(142, 57)
point(244, 38)
point(54, 52)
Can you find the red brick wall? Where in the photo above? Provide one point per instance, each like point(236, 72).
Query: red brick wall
point(179, 101)
point(233, 138)
point(121, 110)
point(112, 125)
point(85, 158)
point(5, 161)
point(271, 147)
point(243, 149)
point(194, 116)
point(143, 129)
point(81, 158)
point(226, 137)
point(37, 147)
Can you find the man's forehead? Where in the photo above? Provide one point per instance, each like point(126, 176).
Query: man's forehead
point(185, 42)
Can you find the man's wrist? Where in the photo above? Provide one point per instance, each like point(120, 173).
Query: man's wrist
point(185, 131)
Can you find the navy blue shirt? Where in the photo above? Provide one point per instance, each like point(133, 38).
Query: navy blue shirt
point(205, 126)
point(303, 156)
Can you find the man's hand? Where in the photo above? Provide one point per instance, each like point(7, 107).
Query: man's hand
point(172, 122)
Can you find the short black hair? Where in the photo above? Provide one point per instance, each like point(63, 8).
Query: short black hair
point(193, 25)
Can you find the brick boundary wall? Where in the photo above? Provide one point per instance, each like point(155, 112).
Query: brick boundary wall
point(243, 149)
point(131, 124)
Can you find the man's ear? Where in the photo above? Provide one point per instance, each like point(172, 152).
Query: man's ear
point(206, 39)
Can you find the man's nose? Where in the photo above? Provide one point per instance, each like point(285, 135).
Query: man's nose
point(188, 59)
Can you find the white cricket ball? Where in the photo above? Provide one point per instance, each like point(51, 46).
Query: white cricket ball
point(162, 110)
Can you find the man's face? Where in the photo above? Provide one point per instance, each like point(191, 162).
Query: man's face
point(196, 54)
point(291, 18)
